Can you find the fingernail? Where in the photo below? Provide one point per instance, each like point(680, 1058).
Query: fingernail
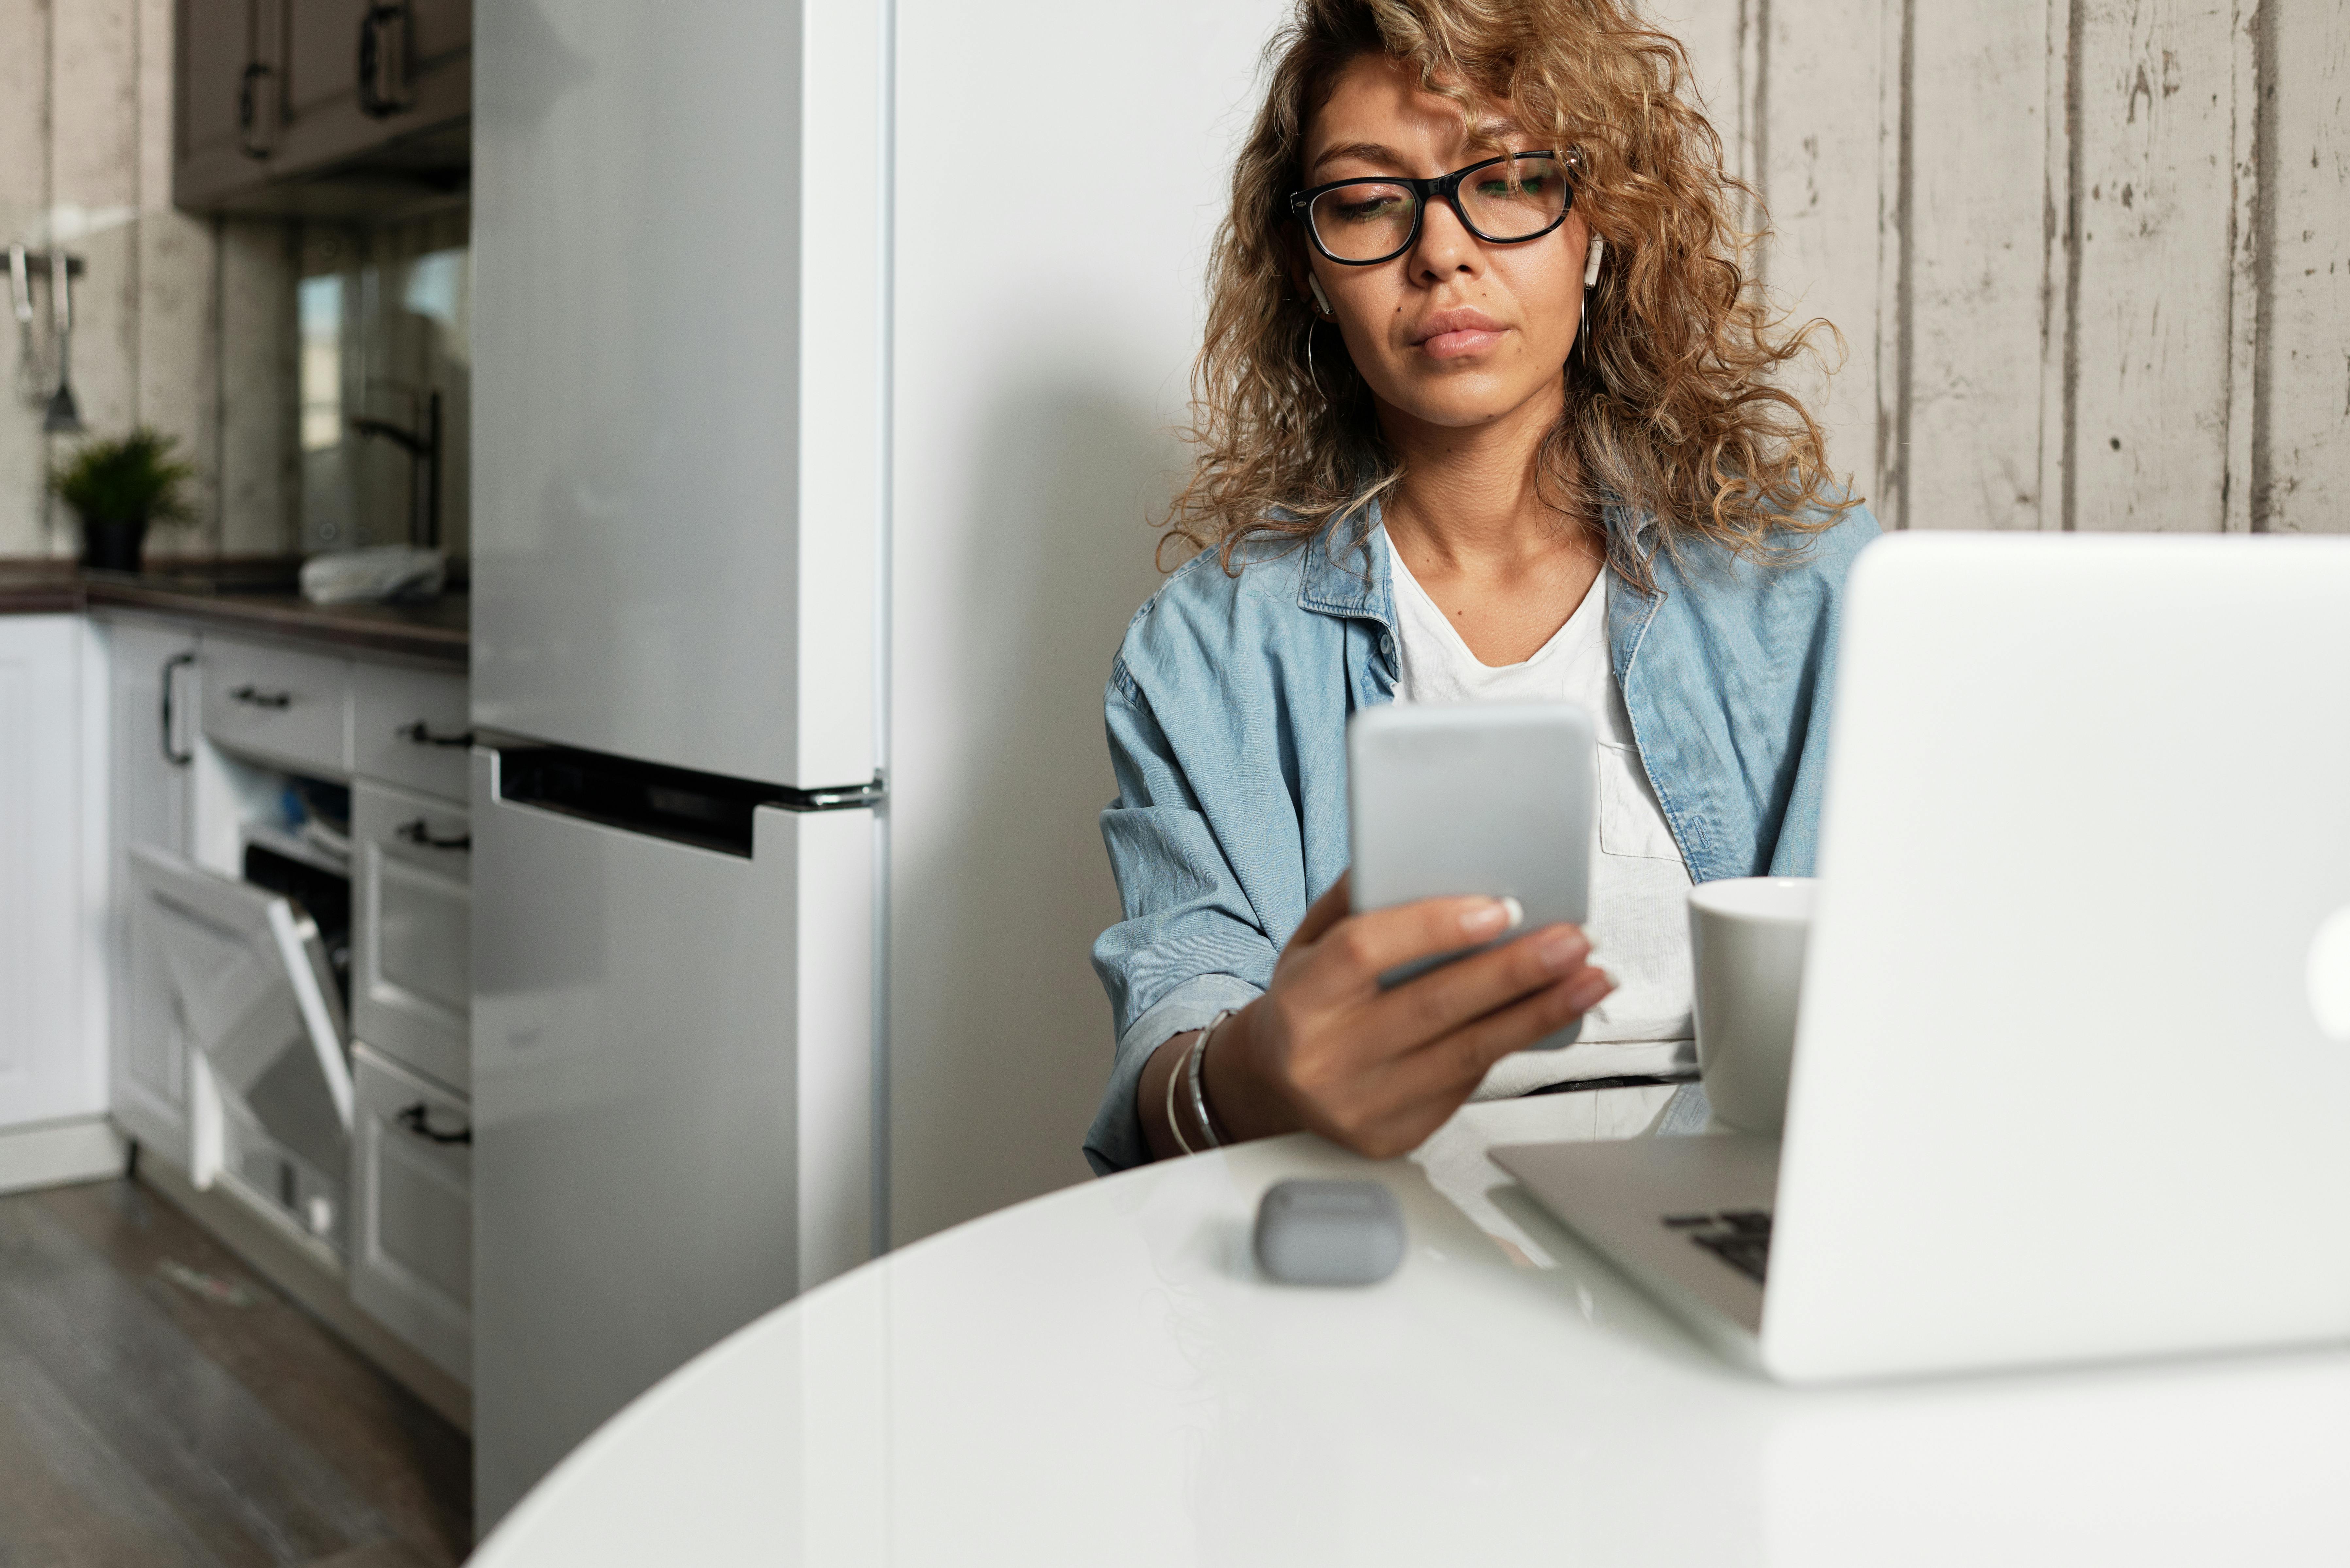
point(1562, 949)
point(1515, 910)
point(1496, 916)
point(1588, 992)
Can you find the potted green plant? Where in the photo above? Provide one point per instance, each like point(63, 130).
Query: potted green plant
point(119, 486)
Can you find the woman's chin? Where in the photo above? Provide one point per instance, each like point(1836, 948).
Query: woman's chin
point(1461, 405)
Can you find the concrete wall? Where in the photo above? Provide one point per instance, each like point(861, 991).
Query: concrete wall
point(182, 323)
point(2092, 257)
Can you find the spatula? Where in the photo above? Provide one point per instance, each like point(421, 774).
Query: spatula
point(30, 379)
point(64, 417)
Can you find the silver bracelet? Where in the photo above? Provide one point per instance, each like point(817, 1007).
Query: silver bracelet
point(1174, 1127)
point(1199, 1055)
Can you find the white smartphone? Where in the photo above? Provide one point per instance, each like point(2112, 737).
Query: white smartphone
point(1492, 798)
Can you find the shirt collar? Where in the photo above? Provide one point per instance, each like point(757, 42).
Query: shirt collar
point(1345, 570)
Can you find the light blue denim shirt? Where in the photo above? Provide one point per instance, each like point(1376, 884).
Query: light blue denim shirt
point(1227, 710)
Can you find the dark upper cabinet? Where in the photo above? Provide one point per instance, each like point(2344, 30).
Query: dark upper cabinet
point(327, 107)
point(220, 81)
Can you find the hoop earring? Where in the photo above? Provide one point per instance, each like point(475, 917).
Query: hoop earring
point(1310, 373)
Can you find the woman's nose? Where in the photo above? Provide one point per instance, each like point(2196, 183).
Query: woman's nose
point(1445, 246)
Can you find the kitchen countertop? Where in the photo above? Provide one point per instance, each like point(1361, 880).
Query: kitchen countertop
point(258, 596)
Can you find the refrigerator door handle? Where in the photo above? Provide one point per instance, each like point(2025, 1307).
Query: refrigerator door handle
point(705, 810)
point(842, 797)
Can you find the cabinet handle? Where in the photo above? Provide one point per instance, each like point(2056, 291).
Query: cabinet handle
point(416, 1118)
point(256, 119)
point(171, 754)
point(421, 734)
point(387, 39)
point(421, 832)
point(254, 697)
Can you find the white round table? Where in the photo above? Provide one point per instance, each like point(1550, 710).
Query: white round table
point(1100, 1377)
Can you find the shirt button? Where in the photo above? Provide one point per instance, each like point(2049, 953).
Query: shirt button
point(1387, 645)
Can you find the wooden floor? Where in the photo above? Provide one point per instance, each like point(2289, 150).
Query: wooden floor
point(161, 1404)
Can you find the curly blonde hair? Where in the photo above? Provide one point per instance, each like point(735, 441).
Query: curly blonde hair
point(1668, 408)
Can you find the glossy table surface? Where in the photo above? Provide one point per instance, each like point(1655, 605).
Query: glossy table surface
point(1100, 1377)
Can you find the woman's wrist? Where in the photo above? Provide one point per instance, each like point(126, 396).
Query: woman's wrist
point(1243, 1100)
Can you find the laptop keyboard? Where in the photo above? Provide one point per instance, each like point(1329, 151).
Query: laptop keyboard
point(1739, 1237)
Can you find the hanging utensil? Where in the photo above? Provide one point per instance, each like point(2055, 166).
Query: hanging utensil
point(32, 377)
point(64, 417)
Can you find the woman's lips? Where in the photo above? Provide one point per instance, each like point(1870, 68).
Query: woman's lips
point(1467, 340)
point(1451, 333)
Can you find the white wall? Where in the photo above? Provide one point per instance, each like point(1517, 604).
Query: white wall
point(1048, 303)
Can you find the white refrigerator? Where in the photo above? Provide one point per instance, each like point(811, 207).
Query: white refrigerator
point(822, 384)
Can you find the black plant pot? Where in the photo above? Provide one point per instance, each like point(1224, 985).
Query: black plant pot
point(113, 544)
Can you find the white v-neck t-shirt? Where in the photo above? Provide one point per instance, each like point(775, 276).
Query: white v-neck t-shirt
point(1640, 884)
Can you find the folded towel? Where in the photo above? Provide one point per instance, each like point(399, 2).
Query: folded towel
point(377, 576)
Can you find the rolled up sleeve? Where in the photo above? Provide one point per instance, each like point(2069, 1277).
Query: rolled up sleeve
point(1190, 944)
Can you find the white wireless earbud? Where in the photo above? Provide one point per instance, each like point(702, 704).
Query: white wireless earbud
point(1591, 266)
point(1321, 300)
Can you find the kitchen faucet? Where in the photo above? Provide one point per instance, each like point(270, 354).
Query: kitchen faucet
point(424, 472)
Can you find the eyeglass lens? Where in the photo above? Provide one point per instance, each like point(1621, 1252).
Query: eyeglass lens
point(1370, 220)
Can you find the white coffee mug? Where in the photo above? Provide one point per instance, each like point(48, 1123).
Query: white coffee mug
point(1746, 943)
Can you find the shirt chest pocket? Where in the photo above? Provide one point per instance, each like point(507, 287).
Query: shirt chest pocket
point(1631, 822)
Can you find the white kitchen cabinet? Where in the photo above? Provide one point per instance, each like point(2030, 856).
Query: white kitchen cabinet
point(412, 970)
point(235, 880)
point(51, 1066)
point(279, 704)
point(151, 719)
point(411, 727)
point(412, 1214)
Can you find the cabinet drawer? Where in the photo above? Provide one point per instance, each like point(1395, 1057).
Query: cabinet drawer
point(293, 709)
point(413, 1210)
point(409, 727)
point(412, 969)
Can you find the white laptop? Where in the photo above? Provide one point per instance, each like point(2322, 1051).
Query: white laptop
point(2072, 1070)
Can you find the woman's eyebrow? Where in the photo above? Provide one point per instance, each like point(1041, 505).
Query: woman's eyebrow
point(1492, 133)
point(1364, 151)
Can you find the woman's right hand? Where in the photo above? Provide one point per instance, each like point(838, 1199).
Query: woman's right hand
point(1374, 1071)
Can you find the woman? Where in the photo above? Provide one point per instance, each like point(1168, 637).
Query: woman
point(1483, 414)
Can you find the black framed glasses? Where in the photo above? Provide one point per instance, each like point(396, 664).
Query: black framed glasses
point(1504, 201)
